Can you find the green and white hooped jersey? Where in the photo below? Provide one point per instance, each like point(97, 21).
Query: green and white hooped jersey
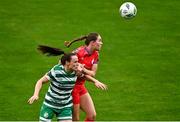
point(59, 92)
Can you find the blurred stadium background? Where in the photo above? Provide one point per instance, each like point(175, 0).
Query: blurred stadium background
point(139, 61)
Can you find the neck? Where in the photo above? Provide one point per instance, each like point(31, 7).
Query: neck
point(66, 68)
point(90, 49)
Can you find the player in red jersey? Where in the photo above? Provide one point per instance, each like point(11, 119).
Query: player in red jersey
point(88, 56)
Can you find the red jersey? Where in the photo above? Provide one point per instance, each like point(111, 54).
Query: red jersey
point(86, 58)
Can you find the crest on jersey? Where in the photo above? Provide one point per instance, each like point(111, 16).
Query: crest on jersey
point(46, 115)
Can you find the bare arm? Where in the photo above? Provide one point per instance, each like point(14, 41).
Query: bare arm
point(38, 87)
point(80, 73)
point(91, 72)
point(97, 83)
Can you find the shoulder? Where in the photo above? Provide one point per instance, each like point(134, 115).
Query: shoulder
point(79, 49)
point(96, 53)
point(58, 67)
point(80, 52)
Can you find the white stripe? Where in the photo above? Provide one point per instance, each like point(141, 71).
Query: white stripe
point(49, 98)
point(56, 95)
point(60, 85)
point(69, 105)
point(63, 79)
point(47, 77)
point(65, 118)
point(69, 85)
point(53, 73)
point(58, 101)
point(56, 84)
point(44, 119)
point(60, 72)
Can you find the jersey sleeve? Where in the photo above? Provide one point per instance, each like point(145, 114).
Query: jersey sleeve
point(96, 59)
point(50, 75)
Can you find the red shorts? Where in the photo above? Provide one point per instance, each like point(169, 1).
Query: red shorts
point(78, 91)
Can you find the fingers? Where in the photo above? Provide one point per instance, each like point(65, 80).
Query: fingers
point(67, 43)
point(78, 67)
point(32, 99)
point(104, 87)
point(101, 86)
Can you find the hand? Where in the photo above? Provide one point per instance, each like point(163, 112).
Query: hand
point(67, 43)
point(100, 85)
point(78, 67)
point(79, 74)
point(32, 99)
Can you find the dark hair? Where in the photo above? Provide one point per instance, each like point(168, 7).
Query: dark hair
point(50, 51)
point(66, 57)
point(88, 38)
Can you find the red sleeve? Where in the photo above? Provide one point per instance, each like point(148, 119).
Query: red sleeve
point(96, 59)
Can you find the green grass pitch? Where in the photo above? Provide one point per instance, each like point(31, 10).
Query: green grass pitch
point(139, 60)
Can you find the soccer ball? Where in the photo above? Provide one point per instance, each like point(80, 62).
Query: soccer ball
point(128, 10)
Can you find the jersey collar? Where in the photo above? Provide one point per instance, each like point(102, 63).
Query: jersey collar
point(66, 71)
point(88, 51)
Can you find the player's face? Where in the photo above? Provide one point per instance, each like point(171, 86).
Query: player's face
point(73, 64)
point(98, 43)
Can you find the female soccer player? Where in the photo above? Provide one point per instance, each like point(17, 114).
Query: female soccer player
point(88, 55)
point(58, 99)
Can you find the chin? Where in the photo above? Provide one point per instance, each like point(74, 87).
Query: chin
point(97, 49)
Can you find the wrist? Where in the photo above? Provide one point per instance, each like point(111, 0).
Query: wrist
point(96, 81)
point(83, 70)
point(36, 95)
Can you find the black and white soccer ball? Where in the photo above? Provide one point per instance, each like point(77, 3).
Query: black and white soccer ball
point(128, 10)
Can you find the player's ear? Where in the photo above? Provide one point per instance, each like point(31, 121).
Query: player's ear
point(92, 42)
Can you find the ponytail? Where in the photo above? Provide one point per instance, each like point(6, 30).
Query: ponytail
point(88, 38)
point(68, 43)
point(50, 51)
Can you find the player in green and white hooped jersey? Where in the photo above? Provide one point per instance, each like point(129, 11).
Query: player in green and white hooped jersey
point(58, 99)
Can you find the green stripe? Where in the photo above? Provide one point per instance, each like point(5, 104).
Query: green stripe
point(62, 82)
point(60, 91)
point(62, 88)
point(66, 94)
point(61, 68)
point(65, 75)
point(57, 104)
point(58, 67)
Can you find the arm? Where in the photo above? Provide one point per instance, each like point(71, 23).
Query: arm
point(91, 72)
point(97, 83)
point(80, 73)
point(37, 89)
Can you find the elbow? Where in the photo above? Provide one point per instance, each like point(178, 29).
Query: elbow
point(93, 74)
